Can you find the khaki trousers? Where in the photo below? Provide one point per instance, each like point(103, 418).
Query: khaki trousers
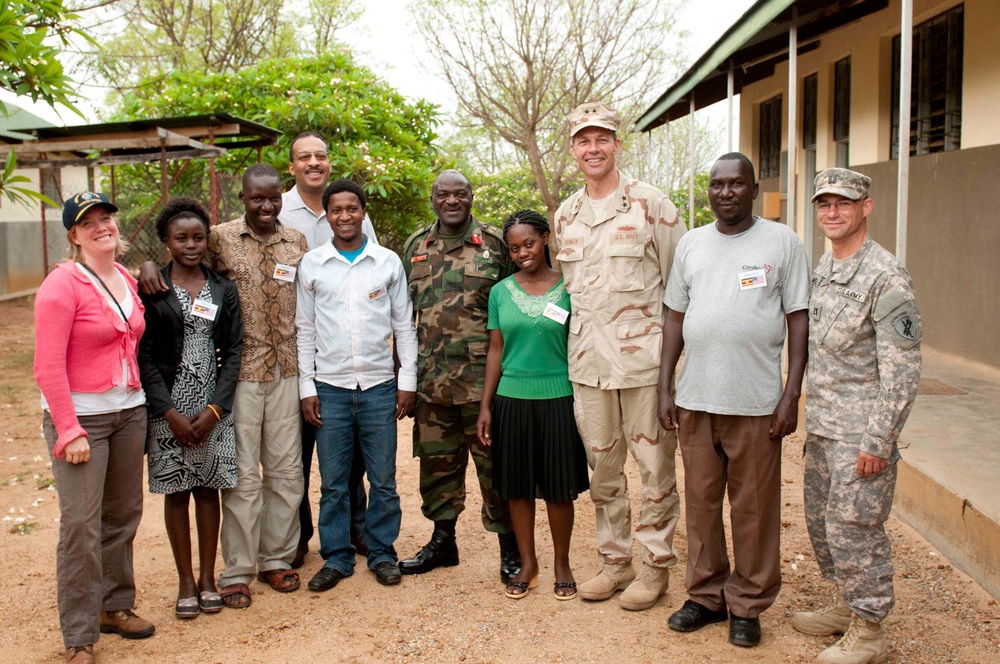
point(721, 450)
point(612, 424)
point(100, 505)
point(260, 522)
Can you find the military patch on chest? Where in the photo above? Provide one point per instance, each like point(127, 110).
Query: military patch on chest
point(628, 232)
point(854, 295)
point(418, 258)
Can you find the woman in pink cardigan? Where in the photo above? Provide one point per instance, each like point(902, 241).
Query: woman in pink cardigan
point(88, 321)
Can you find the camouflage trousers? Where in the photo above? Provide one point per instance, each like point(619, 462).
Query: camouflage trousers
point(845, 516)
point(443, 438)
point(614, 424)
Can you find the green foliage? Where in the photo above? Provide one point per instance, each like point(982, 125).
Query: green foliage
point(508, 190)
point(29, 64)
point(375, 136)
point(15, 194)
point(703, 214)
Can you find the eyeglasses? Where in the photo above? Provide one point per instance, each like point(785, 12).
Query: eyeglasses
point(843, 205)
point(305, 156)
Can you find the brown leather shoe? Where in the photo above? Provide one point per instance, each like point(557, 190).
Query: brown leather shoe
point(80, 654)
point(125, 623)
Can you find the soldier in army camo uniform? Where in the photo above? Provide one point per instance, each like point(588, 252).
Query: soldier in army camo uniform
point(451, 265)
point(864, 366)
point(614, 242)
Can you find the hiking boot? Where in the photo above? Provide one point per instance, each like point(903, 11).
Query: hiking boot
point(832, 619)
point(510, 557)
point(863, 643)
point(125, 623)
point(611, 578)
point(80, 654)
point(645, 590)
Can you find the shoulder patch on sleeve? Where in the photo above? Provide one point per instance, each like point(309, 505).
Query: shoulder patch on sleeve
point(896, 309)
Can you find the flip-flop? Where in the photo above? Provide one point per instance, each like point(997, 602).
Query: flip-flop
point(233, 596)
point(187, 608)
point(559, 585)
point(210, 602)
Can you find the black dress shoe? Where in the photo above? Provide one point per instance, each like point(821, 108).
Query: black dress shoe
point(387, 573)
point(744, 632)
point(325, 578)
point(441, 551)
point(693, 616)
point(510, 557)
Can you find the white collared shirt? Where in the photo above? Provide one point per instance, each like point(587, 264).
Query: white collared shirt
point(349, 315)
point(296, 214)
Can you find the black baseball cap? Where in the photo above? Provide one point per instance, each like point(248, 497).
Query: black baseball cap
point(76, 206)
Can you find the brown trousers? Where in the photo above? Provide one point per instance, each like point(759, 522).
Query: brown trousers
point(100, 505)
point(721, 450)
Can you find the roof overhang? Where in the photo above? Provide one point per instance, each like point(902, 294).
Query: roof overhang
point(753, 46)
point(137, 141)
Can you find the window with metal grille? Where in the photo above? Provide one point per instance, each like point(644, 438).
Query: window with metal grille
point(936, 94)
point(770, 138)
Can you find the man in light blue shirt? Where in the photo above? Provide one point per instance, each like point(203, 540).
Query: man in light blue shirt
point(353, 310)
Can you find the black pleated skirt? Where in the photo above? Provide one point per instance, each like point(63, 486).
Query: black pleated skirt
point(537, 451)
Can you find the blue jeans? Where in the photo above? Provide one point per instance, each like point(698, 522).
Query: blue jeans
point(371, 414)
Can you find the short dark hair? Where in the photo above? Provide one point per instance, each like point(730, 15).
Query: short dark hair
point(259, 171)
point(181, 207)
point(341, 185)
point(743, 159)
point(291, 146)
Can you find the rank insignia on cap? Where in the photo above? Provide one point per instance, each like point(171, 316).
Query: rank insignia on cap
point(477, 240)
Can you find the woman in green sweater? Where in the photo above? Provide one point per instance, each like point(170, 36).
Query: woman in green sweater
point(526, 413)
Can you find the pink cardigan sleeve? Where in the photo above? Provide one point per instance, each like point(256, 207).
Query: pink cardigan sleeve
point(55, 310)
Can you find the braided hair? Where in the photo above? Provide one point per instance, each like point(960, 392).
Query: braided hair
point(533, 219)
point(178, 207)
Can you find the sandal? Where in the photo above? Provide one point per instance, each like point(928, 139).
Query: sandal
point(282, 580)
point(560, 585)
point(210, 601)
point(523, 586)
point(236, 596)
point(187, 607)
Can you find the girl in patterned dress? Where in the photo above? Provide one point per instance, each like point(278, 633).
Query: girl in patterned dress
point(526, 412)
point(189, 360)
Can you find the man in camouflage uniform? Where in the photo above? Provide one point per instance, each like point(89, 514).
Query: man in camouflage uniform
point(614, 242)
point(864, 366)
point(451, 265)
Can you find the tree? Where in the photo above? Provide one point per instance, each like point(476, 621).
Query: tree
point(375, 136)
point(149, 39)
point(30, 67)
point(666, 162)
point(518, 67)
point(703, 214)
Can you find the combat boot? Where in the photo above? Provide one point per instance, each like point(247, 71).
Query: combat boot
point(833, 619)
point(611, 579)
point(645, 590)
point(510, 557)
point(441, 551)
point(863, 643)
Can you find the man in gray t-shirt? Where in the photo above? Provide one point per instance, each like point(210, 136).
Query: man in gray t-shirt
point(734, 287)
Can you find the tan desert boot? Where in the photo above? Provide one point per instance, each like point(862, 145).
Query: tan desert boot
point(611, 579)
point(833, 619)
point(863, 643)
point(644, 591)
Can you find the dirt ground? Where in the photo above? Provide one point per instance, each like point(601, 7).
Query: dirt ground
point(450, 615)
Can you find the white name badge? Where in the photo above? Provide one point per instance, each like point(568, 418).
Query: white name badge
point(203, 309)
point(752, 279)
point(556, 313)
point(284, 272)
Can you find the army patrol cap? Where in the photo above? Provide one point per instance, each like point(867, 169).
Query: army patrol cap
point(593, 114)
point(842, 182)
